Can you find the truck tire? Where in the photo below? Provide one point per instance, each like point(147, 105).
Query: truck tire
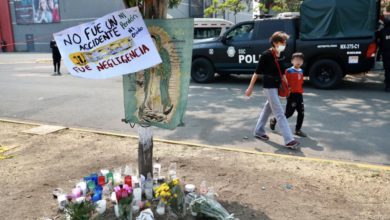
point(325, 74)
point(202, 70)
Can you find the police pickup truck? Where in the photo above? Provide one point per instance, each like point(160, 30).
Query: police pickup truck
point(238, 51)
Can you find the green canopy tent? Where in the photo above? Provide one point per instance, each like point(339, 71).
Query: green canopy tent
point(329, 19)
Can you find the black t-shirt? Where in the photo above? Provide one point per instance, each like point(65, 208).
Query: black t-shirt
point(384, 36)
point(267, 67)
point(56, 53)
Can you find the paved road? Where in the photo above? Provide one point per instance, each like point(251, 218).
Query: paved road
point(352, 123)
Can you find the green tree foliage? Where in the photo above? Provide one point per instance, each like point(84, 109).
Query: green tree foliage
point(279, 5)
point(220, 7)
point(132, 3)
point(234, 6)
point(213, 9)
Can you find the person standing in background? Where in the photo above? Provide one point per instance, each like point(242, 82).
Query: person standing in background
point(3, 45)
point(384, 43)
point(56, 57)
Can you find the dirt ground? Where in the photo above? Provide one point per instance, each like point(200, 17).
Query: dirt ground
point(251, 186)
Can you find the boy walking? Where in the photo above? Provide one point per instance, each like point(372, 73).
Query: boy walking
point(294, 77)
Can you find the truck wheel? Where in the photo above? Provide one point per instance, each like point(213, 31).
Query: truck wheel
point(202, 71)
point(325, 74)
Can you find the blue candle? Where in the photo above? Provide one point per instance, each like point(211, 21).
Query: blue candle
point(94, 177)
point(96, 197)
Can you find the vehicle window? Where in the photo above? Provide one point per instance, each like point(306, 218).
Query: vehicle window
point(241, 33)
point(202, 33)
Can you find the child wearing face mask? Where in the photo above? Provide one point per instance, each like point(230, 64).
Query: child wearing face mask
point(294, 77)
point(268, 66)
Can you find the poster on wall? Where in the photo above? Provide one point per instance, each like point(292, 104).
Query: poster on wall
point(37, 11)
point(158, 96)
point(115, 44)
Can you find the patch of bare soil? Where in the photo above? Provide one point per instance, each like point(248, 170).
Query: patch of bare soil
point(251, 186)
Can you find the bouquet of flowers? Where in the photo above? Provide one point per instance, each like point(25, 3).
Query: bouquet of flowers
point(209, 207)
point(124, 197)
point(172, 195)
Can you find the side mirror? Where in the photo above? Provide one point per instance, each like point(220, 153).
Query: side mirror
point(225, 39)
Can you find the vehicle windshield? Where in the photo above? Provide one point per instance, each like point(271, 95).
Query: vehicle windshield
point(203, 33)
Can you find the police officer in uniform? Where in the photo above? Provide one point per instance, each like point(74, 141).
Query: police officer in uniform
point(384, 37)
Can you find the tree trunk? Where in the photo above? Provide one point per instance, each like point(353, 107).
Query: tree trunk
point(151, 9)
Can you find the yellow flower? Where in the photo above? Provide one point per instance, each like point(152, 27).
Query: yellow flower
point(175, 195)
point(164, 200)
point(175, 182)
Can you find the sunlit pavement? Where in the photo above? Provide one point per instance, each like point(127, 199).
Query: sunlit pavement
point(351, 123)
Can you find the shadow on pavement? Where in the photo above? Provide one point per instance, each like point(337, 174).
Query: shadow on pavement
point(350, 120)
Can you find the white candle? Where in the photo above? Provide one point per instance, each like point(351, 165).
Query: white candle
point(101, 206)
point(116, 210)
point(62, 201)
point(118, 178)
point(160, 210)
point(83, 187)
point(137, 194)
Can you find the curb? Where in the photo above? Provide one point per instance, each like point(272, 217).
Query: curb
point(43, 61)
point(231, 149)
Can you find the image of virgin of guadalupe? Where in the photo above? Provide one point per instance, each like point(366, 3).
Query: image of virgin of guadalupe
point(157, 103)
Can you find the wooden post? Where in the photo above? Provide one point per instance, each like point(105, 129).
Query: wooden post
point(145, 150)
point(152, 9)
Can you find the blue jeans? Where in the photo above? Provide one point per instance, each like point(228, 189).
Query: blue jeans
point(274, 106)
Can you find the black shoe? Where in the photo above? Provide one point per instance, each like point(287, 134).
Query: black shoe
point(263, 137)
point(293, 145)
point(300, 133)
point(272, 124)
point(387, 89)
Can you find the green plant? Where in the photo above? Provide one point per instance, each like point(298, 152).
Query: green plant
point(80, 211)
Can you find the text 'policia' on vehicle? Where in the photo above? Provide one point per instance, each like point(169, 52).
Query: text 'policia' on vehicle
point(334, 44)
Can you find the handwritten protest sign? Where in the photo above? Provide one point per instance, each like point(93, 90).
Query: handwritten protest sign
point(116, 44)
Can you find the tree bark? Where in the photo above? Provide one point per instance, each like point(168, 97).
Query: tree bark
point(145, 151)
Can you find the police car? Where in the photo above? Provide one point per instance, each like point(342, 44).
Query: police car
point(238, 51)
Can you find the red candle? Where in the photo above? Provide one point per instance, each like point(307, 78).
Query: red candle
point(101, 180)
point(128, 181)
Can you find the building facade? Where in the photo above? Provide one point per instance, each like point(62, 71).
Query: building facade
point(28, 25)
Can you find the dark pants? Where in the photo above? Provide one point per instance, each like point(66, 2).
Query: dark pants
point(57, 65)
point(386, 66)
point(295, 103)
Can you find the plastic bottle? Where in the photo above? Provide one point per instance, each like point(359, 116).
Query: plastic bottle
point(137, 192)
point(160, 210)
point(172, 171)
point(203, 188)
point(210, 192)
point(149, 188)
